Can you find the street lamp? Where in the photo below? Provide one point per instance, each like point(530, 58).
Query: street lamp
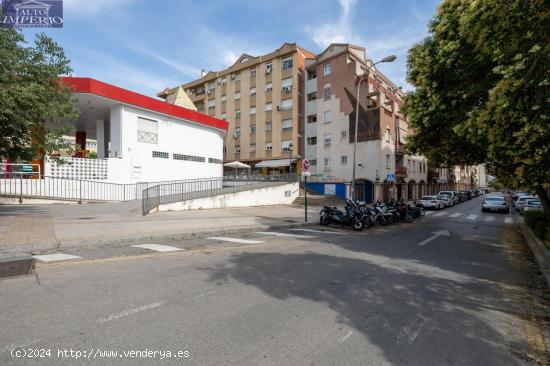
point(290, 158)
point(365, 76)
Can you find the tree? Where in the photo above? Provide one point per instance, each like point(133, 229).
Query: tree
point(482, 90)
point(31, 94)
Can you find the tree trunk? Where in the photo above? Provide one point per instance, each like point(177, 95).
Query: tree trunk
point(544, 200)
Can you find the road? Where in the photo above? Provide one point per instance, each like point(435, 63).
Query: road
point(310, 297)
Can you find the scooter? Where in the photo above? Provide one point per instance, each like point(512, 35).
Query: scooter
point(351, 217)
point(369, 217)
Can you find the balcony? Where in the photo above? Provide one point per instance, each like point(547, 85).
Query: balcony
point(400, 149)
point(401, 171)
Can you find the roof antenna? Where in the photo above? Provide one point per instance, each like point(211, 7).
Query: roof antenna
point(203, 73)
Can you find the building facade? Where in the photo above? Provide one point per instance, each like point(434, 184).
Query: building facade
point(261, 98)
point(383, 170)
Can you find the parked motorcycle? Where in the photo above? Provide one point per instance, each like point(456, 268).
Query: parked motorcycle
point(351, 216)
point(416, 210)
point(369, 216)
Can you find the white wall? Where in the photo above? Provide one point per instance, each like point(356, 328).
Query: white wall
point(174, 136)
point(278, 195)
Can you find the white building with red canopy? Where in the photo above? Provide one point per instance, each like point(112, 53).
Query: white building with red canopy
point(139, 138)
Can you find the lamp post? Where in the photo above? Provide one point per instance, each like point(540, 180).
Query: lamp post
point(365, 76)
point(290, 146)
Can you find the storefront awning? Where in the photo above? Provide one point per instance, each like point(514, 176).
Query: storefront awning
point(274, 163)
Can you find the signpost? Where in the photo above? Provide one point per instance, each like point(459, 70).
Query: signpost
point(306, 172)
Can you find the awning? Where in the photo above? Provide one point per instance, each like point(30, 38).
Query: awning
point(237, 164)
point(274, 163)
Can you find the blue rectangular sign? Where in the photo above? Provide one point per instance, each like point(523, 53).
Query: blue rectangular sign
point(32, 14)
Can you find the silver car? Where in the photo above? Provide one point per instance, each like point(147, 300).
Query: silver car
point(531, 205)
point(521, 201)
point(431, 202)
point(495, 203)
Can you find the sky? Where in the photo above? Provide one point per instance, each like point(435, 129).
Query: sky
point(147, 45)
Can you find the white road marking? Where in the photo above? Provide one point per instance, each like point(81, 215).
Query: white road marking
point(285, 234)
point(346, 336)
point(489, 219)
point(158, 247)
point(508, 220)
point(440, 214)
point(125, 313)
point(455, 214)
point(428, 213)
point(471, 217)
point(55, 257)
point(436, 234)
point(236, 240)
point(319, 231)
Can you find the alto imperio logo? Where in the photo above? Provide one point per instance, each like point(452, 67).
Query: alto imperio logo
point(32, 14)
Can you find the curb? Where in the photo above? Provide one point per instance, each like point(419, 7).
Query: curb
point(23, 250)
point(542, 256)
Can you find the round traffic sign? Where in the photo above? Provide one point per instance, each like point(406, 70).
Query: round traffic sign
point(306, 165)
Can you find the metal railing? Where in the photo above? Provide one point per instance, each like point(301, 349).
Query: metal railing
point(173, 192)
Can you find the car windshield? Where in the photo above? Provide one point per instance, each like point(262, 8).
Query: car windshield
point(524, 198)
point(534, 203)
point(427, 198)
point(494, 198)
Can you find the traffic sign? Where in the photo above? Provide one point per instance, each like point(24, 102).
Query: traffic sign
point(306, 166)
point(390, 177)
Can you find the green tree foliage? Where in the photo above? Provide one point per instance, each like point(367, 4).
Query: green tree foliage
point(32, 94)
point(482, 90)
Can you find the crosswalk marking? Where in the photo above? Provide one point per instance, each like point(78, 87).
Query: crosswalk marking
point(285, 234)
point(55, 257)
point(440, 214)
point(428, 213)
point(471, 217)
point(508, 220)
point(489, 219)
point(455, 214)
point(236, 240)
point(158, 247)
point(319, 231)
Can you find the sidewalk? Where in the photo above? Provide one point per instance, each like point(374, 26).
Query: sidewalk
point(34, 228)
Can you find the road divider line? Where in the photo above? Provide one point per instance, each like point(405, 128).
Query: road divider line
point(236, 240)
point(346, 336)
point(440, 214)
point(274, 233)
point(55, 257)
point(158, 247)
point(489, 219)
point(125, 313)
point(508, 220)
point(471, 217)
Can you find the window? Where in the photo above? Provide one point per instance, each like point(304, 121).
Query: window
point(312, 140)
point(326, 162)
point(311, 96)
point(343, 160)
point(253, 110)
point(224, 98)
point(312, 74)
point(327, 139)
point(237, 76)
point(215, 161)
point(225, 150)
point(414, 166)
point(269, 107)
point(252, 147)
point(327, 91)
point(327, 70)
point(313, 162)
point(161, 154)
point(238, 113)
point(388, 135)
point(388, 161)
point(211, 86)
point(327, 116)
point(372, 100)
point(286, 145)
point(147, 131)
point(252, 92)
point(237, 132)
point(268, 126)
point(238, 95)
point(268, 87)
point(287, 125)
point(269, 146)
point(224, 116)
point(237, 149)
point(286, 84)
point(344, 134)
point(212, 103)
point(287, 104)
point(252, 128)
point(312, 118)
point(287, 63)
point(268, 68)
point(253, 73)
point(198, 159)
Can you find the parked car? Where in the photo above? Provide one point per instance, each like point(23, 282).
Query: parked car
point(447, 200)
point(521, 201)
point(452, 195)
point(517, 195)
point(462, 196)
point(495, 203)
point(433, 202)
point(531, 205)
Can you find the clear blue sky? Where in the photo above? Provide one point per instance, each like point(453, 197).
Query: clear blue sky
point(146, 45)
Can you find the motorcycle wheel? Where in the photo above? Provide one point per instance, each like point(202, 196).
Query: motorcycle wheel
point(408, 218)
point(422, 212)
point(357, 224)
point(391, 220)
point(367, 222)
point(383, 221)
point(324, 221)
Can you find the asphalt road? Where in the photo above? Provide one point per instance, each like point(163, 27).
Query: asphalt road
point(385, 296)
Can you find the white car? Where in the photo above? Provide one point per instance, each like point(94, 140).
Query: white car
point(532, 205)
point(452, 196)
point(434, 202)
point(521, 201)
point(447, 201)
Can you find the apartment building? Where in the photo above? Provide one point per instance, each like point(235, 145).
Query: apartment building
point(383, 170)
point(261, 98)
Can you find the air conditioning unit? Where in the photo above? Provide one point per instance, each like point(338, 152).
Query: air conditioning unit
point(287, 88)
point(268, 71)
